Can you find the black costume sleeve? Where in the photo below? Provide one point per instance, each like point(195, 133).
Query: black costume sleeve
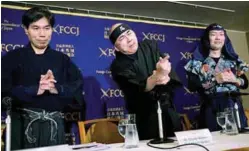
point(194, 83)
point(9, 64)
point(73, 86)
point(245, 85)
point(134, 91)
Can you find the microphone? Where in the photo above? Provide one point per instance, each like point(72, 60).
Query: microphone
point(162, 95)
point(240, 129)
point(235, 94)
point(7, 102)
point(237, 115)
point(160, 123)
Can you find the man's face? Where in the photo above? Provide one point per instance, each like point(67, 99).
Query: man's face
point(216, 39)
point(39, 33)
point(127, 42)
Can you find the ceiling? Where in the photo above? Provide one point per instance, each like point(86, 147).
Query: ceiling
point(238, 20)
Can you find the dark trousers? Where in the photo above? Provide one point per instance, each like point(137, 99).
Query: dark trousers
point(36, 129)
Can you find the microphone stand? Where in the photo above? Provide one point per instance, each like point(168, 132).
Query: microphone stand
point(161, 138)
point(7, 102)
point(237, 114)
point(8, 131)
point(240, 129)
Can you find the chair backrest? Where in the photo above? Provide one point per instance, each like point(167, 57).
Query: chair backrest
point(247, 115)
point(100, 130)
point(185, 122)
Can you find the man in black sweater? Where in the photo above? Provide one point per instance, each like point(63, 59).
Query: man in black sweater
point(145, 76)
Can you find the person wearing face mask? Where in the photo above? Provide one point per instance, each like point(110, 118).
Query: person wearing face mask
point(216, 71)
point(145, 76)
point(41, 82)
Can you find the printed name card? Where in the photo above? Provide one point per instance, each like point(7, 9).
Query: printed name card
point(202, 136)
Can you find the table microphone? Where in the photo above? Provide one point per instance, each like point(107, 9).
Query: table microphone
point(237, 115)
point(237, 94)
point(240, 129)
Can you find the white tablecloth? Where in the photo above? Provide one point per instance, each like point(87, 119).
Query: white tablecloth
point(220, 142)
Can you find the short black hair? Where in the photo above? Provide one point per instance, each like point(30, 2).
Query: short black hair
point(36, 13)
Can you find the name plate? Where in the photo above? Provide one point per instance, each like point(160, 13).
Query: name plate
point(202, 136)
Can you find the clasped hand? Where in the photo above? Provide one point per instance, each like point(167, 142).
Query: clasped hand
point(163, 68)
point(47, 82)
point(226, 76)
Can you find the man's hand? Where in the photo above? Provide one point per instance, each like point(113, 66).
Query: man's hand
point(52, 90)
point(156, 79)
point(47, 82)
point(160, 78)
point(48, 75)
point(163, 66)
point(226, 77)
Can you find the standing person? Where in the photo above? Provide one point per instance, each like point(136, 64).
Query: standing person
point(41, 82)
point(145, 76)
point(214, 70)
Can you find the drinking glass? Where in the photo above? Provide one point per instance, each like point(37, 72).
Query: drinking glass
point(221, 120)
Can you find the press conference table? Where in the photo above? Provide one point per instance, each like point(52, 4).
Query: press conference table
point(220, 142)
